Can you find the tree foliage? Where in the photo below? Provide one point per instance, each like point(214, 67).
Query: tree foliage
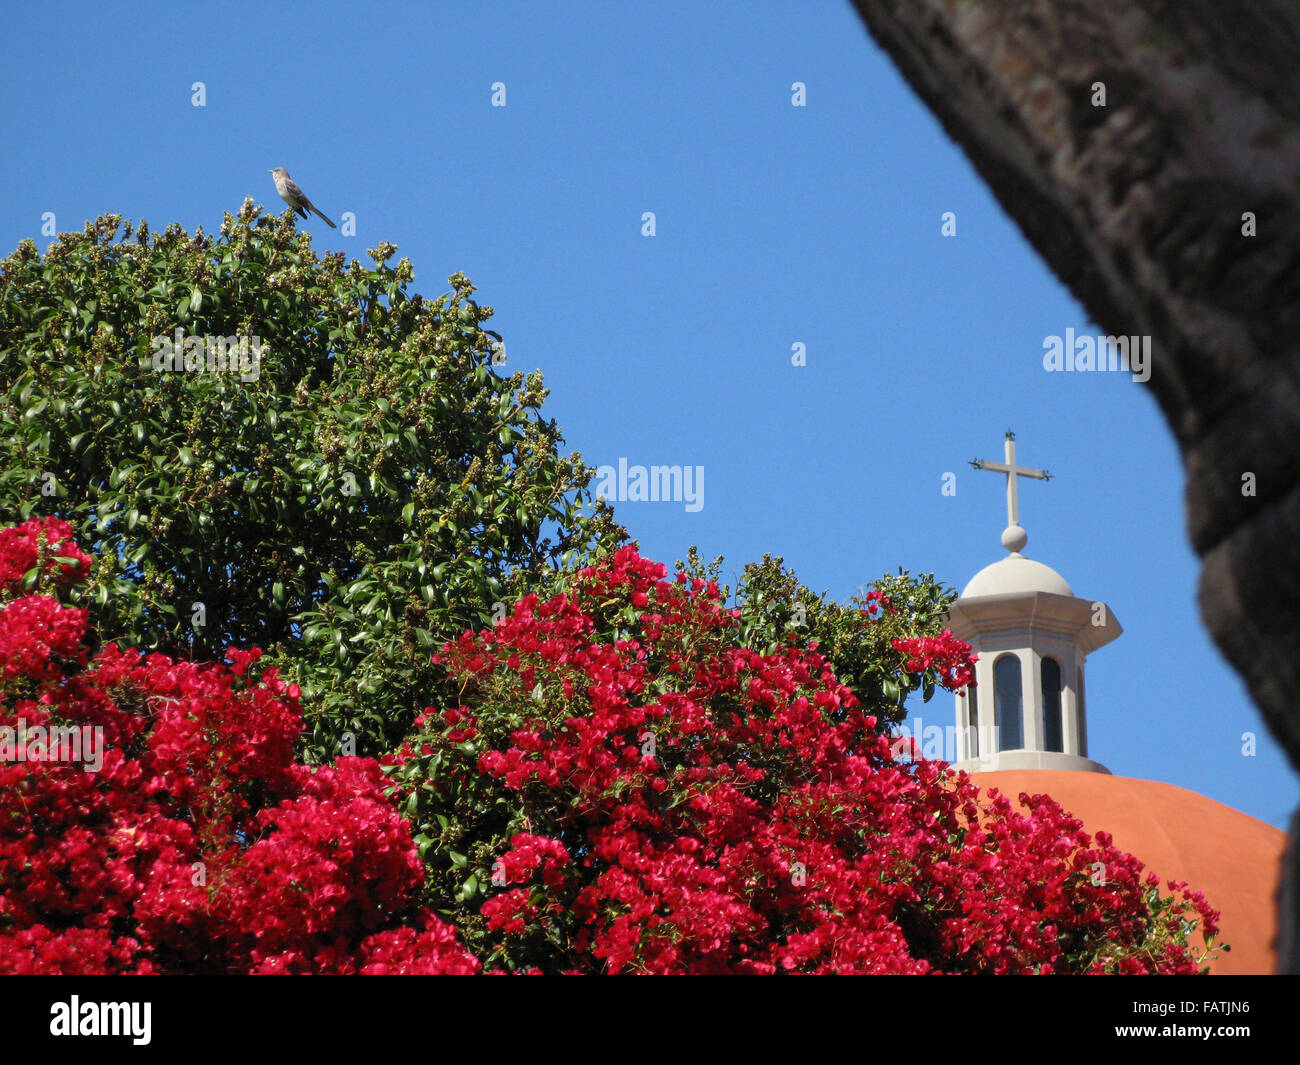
point(375, 490)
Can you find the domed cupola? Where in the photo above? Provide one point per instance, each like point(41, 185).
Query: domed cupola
point(1032, 635)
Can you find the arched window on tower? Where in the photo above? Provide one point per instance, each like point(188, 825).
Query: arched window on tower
point(1053, 736)
point(1083, 720)
point(972, 722)
point(1007, 703)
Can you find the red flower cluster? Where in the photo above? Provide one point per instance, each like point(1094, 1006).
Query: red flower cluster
point(661, 799)
point(39, 555)
point(878, 604)
point(44, 546)
point(198, 844)
point(947, 656)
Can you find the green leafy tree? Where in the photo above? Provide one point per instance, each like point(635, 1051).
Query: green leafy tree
point(370, 487)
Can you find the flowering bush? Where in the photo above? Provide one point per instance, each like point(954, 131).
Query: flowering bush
point(626, 788)
point(198, 844)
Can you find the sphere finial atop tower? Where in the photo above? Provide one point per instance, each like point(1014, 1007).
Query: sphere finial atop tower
point(1014, 537)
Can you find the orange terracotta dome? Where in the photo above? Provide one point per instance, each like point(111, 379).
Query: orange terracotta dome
point(1231, 857)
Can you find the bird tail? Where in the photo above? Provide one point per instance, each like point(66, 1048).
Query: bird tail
point(327, 221)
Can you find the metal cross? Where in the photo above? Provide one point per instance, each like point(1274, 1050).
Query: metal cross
point(1012, 471)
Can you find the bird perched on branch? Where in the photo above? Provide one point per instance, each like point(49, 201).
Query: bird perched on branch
point(294, 196)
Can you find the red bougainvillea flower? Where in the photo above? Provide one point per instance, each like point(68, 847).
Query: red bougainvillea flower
point(949, 657)
point(198, 844)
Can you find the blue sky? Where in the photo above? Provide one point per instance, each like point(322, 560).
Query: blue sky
point(775, 225)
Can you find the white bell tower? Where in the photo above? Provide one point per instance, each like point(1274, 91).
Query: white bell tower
point(1032, 636)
